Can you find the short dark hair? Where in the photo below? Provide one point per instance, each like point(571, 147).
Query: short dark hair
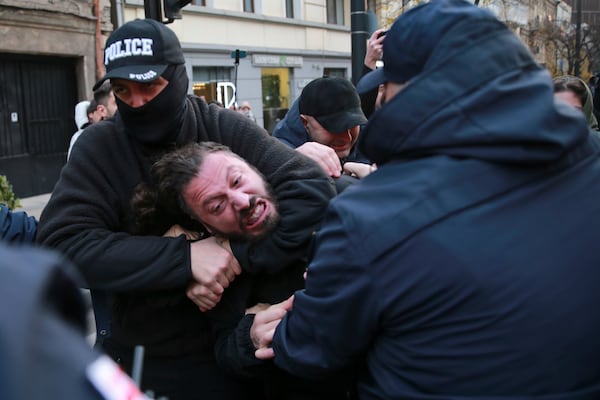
point(571, 84)
point(156, 207)
point(102, 93)
point(92, 107)
point(173, 171)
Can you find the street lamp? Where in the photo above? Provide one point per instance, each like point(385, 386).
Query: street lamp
point(578, 38)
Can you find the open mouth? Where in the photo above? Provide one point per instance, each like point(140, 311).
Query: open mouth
point(256, 216)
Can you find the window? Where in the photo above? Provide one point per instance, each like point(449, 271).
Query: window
point(214, 83)
point(249, 6)
point(289, 8)
point(337, 72)
point(335, 12)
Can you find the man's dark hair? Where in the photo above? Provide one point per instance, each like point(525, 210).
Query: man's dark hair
point(176, 169)
point(102, 93)
point(156, 208)
point(571, 84)
point(92, 107)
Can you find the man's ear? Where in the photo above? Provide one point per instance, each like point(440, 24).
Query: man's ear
point(304, 121)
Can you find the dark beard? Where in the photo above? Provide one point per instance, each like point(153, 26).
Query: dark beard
point(269, 224)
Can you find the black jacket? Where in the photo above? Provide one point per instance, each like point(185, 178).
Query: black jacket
point(234, 350)
point(88, 218)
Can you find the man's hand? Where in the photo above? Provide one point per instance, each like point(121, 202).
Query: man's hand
point(324, 155)
point(263, 327)
point(359, 170)
point(214, 267)
point(374, 49)
point(257, 307)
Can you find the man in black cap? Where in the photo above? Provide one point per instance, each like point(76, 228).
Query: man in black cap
point(466, 266)
point(326, 127)
point(89, 215)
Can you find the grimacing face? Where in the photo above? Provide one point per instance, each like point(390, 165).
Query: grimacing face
point(231, 198)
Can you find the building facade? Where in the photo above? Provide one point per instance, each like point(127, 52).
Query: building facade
point(47, 64)
point(260, 51)
point(590, 11)
point(280, 47)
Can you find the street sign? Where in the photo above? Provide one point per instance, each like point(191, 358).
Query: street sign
point(237, 54)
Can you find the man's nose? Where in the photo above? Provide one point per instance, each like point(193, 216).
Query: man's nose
point(343, 137)
point(137, 100)
point(240, 200)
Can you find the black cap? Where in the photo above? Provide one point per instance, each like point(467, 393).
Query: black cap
point(140, 50)
point(333, 102)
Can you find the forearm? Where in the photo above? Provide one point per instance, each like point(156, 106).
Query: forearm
point(118, 261)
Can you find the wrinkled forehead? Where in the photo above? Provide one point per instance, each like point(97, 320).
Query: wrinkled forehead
point(221, 165)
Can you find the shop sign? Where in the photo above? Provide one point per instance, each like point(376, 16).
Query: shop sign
point(271, 60)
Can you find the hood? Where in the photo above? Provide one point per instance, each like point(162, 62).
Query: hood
point(479, 94)
point(588, 107)
point(81, 117)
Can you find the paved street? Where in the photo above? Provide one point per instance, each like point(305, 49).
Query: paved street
point(34, 205)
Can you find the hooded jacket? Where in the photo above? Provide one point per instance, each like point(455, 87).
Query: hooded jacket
point(465, 266)
point(88, 218)
point(588, 107)
point(81, 121)
point(42, 321)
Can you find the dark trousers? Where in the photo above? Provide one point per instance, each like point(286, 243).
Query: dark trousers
point(184, 378)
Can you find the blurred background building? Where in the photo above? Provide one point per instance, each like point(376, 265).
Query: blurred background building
point(260, 51)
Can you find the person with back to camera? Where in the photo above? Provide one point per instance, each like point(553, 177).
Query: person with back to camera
point(469, 258)
point(159, 285)
point(45, 354)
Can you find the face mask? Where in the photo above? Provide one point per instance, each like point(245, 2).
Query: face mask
point(157, 123)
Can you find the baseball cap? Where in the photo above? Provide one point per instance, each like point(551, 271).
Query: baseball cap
point(333, 102)
point(410, 41)
point(140, 50)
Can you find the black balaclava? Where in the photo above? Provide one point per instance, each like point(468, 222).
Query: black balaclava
point(157, 123)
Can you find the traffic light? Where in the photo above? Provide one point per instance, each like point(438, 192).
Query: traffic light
point(173, 8)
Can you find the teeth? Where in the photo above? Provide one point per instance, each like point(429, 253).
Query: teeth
point(255, 214)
